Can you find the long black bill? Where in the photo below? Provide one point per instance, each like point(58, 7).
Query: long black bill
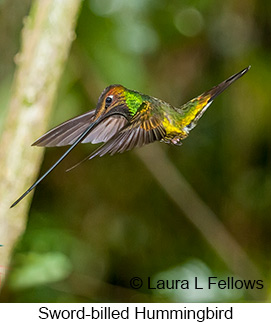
point(78, 140)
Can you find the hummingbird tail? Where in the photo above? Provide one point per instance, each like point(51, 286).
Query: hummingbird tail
point(195, 108)
point(216, 90)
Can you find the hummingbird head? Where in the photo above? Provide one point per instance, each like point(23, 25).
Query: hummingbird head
point(111, 101)
point(116, 99)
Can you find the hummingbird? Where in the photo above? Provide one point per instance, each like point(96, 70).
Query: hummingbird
point(124, 119)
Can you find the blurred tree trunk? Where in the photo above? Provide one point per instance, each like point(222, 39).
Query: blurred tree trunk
point(46, 40)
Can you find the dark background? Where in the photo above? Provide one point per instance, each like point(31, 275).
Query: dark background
point(93, 229)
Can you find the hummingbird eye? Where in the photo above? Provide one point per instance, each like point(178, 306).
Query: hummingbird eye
point(108, 100)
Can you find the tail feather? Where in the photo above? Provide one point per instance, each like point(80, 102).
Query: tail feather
point(216, 90)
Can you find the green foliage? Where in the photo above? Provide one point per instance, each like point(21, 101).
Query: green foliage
point(38, 269)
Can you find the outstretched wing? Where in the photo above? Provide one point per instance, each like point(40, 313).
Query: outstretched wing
point(144, 128)
point(67, 132)
point(131, 136)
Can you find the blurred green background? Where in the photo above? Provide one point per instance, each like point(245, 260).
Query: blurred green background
point(93, 229)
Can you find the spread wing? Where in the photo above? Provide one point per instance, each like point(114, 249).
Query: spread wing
point(144, 128)
point(67, 132)
point(131, 136)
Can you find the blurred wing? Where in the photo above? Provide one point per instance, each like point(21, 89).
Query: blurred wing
point(129, 137)
point(106, 129)
point(144, 128)
point(67, 132)
point(141, 130)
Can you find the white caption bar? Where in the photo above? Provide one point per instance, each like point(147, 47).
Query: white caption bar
point(109, 312)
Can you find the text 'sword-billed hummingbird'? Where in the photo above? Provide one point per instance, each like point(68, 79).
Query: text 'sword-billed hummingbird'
point(124, 119)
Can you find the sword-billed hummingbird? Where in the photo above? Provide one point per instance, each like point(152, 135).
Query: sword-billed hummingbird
point(124, 119)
